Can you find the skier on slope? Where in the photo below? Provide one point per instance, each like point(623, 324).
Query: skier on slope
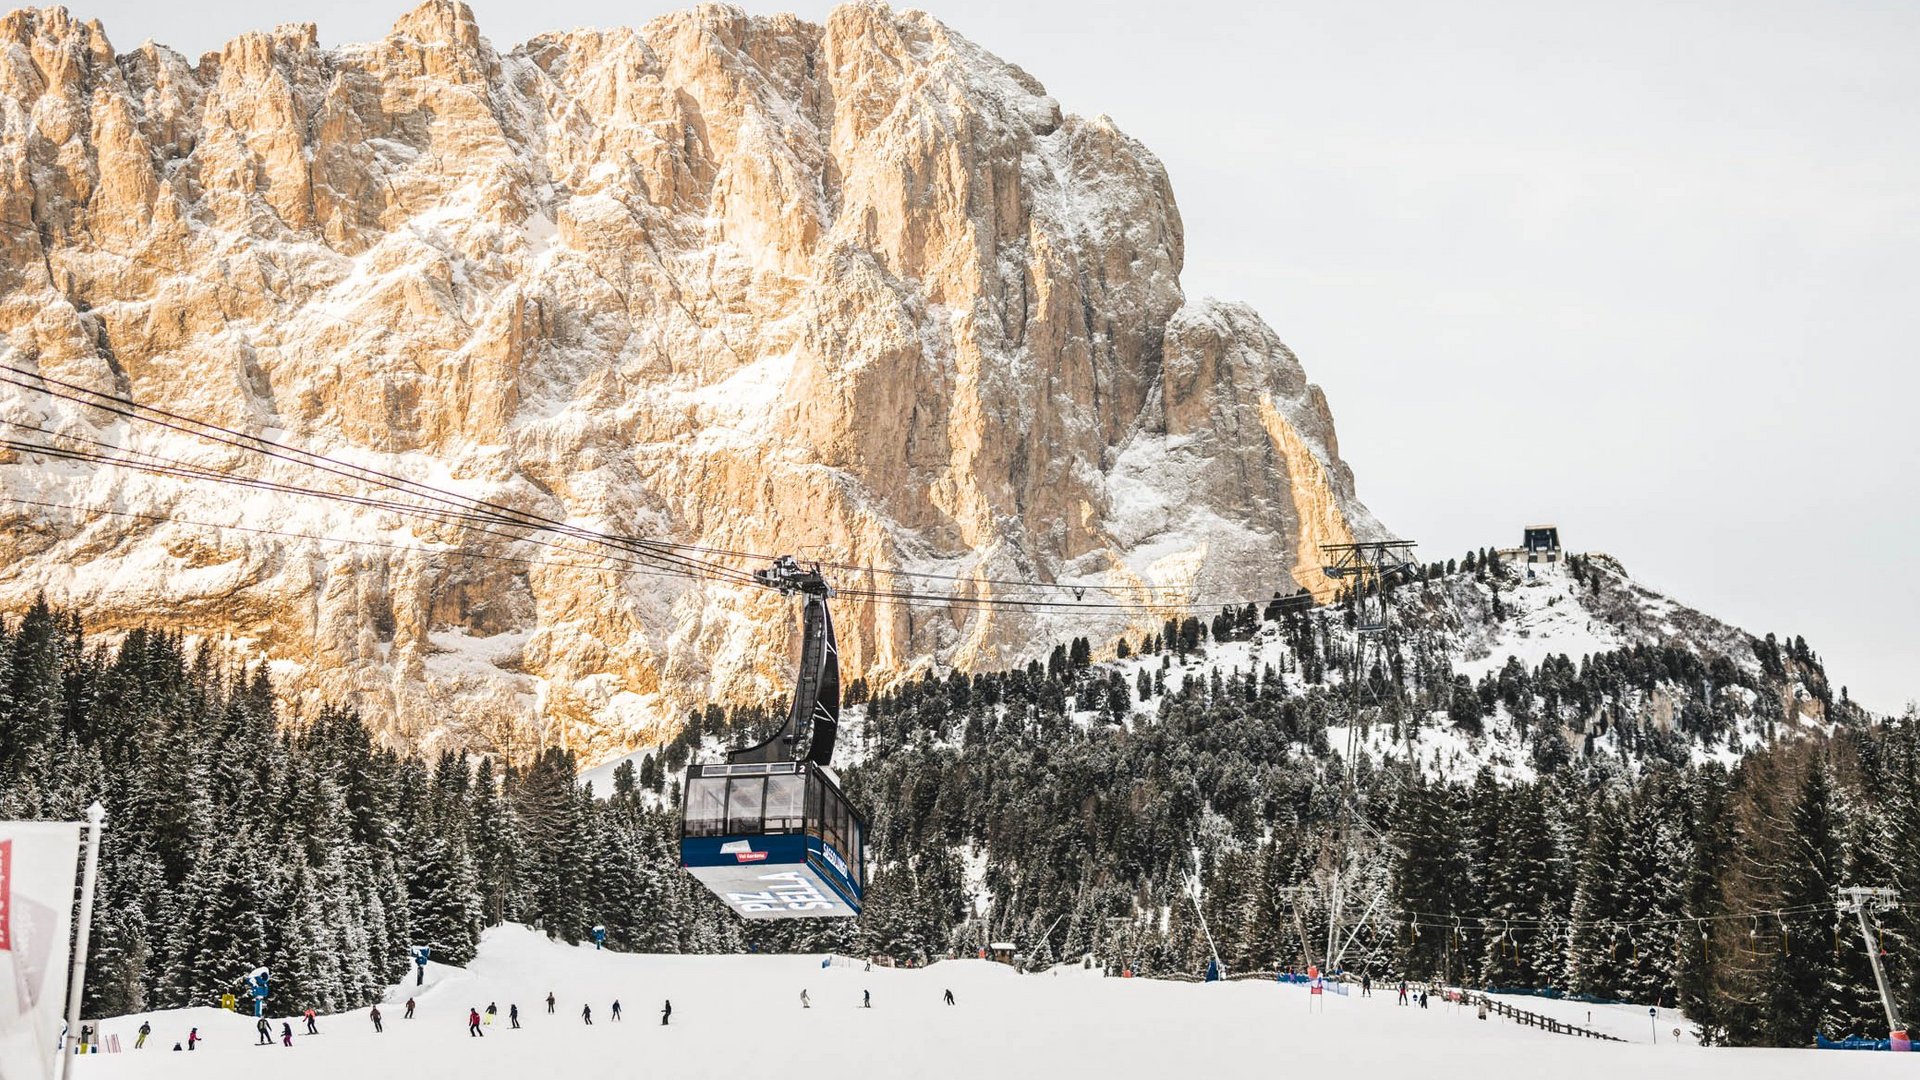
point(805, 1003)
point(409, 1015)
point(616, 1009)
point(375, 1017)
point(586, 1013)
point(947, 997)
point(1403, 992)
point(473, 1024)
point(193, 1037)
point(1366, 984)
point(266, 1032)
point(666, 1013)
point(146, 1029)
point(866, 999)
point(312, 1028)
point(513, 1016)
point(549, 1002)
point(492, 1011)
point(286, 1033)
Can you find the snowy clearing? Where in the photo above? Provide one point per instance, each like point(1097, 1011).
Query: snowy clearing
point(741, 1015)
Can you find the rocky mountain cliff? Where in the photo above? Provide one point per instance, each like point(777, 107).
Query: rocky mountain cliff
point(859, 291)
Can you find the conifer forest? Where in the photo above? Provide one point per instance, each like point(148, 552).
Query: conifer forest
point(1079, 809)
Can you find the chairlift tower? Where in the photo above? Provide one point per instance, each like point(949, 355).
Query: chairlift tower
point(1193, 897)
point(1368, 568)
point(1863, 902)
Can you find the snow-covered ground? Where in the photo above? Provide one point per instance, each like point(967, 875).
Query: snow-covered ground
point(1629, 1022)
point(740, 1016)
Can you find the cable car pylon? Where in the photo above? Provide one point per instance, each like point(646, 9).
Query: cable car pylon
point(1368, 567)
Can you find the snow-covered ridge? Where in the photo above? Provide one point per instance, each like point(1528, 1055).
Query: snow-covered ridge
point(1487, 629)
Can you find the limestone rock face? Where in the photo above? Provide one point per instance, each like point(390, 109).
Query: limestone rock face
point(857, 291)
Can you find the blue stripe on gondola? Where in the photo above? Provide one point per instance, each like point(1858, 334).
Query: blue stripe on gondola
point(740, 862)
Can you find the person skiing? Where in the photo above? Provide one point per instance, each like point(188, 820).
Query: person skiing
point(1403, 992)
point(375, 1017)
point(586, 1013)
point(666, 1013)
point(286, 1033)
point(513, 1016)
point(473, 1024)
point(549, 1002)
point(266, 1032)
point(312, 1028)
point(146, 1029)
point(616, 1009)
point(1423, 999)
point(948, 996)
point(866, 999)
point(409, 1015)
point(804, 1002)
point(193, 1038)
point(1366, 984)
point(492, 1011)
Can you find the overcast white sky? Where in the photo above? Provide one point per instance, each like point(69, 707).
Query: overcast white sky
point(1647, 269)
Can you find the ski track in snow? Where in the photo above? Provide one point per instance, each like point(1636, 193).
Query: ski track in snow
point(740, 1016)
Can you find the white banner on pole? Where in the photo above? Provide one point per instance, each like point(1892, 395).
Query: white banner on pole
point(37, 860)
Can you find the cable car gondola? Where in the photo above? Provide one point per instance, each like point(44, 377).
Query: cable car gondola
point(769, 830)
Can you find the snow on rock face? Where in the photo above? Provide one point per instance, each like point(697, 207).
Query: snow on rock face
point(859, 291)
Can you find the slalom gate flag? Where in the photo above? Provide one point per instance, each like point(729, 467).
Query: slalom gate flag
point(37, 875)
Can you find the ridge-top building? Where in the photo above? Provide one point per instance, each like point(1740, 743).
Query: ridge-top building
point(1541, 543)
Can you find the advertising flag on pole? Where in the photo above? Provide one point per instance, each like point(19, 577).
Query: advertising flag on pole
point(37, 861)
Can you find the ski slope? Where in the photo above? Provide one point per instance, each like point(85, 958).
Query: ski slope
point(1629, 1022)
point(740, 1016)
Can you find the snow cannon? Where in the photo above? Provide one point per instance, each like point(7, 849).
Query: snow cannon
point(259, 987)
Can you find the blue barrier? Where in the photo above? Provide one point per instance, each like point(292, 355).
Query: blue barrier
point(1292, 979)
point(1556, 995)
point(1851, 1042)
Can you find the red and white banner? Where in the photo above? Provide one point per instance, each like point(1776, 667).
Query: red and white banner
point(38, 860)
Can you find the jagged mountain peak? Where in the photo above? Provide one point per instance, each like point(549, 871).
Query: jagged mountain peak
point(857, 290)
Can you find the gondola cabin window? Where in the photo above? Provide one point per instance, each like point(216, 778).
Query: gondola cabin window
point(745, 797)
point(786, 798)
point(707, 806)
